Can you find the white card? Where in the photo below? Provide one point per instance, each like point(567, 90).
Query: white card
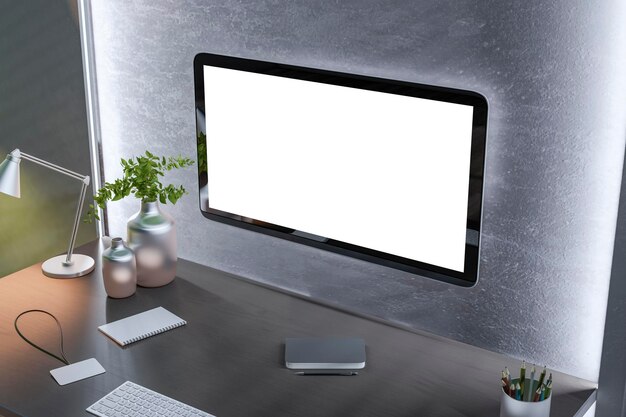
point(77, 371)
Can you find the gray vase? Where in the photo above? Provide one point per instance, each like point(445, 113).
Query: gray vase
point(119, 270)
point(152, 236)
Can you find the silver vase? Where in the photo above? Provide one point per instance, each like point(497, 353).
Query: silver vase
point(119, 270)
point(152, 236)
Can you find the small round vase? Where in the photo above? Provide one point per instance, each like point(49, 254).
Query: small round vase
point(119, 270)
point(152, 236)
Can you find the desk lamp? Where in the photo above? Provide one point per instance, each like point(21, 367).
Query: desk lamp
point(62, 266)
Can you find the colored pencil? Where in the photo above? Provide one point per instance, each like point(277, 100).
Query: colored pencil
point(542, 377)
point(548, 389)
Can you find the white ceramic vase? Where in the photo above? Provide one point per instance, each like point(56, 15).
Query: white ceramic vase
point(152, 236)
point(119, 270)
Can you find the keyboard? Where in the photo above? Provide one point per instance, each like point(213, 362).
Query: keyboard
point(132, 400)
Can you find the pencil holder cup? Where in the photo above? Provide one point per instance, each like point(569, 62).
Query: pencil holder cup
point(510, 407)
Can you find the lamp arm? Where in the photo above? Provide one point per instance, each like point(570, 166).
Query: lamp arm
point(70, 249)
point(53, 167)
point(83, 178)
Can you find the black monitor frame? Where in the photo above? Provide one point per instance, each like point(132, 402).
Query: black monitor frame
point(469, 276)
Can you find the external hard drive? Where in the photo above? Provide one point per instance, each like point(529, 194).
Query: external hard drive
point(324, 353)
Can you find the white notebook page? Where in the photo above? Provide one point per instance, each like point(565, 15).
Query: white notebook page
point(141, 326)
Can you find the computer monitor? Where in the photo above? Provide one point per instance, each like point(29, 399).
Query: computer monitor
point(382, 170)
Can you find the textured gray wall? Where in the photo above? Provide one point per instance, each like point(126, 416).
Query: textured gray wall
point(553, 74)
point(42, 112)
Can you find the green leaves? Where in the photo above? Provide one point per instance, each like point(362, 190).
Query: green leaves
point(202, 155)
point(141, 178)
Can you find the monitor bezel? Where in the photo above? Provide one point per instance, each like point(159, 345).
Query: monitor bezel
point(469, 276)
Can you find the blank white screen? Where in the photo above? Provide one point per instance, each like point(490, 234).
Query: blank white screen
point(377, 170)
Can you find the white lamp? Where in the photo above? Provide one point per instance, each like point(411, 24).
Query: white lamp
point(62, 266)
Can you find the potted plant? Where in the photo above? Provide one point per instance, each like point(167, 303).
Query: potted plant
point(151, 232)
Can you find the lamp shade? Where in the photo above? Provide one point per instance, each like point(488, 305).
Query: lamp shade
point(10, 174)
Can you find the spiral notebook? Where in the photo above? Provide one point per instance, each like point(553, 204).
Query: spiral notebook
point(142, 325)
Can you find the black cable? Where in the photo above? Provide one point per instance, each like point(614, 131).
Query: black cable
point(63, 358)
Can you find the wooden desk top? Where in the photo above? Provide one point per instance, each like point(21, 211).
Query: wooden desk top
point(228, 359)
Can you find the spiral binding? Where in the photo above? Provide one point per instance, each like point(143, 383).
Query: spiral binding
point(159, 331)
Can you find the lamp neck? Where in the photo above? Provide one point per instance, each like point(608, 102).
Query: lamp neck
point(15, 156)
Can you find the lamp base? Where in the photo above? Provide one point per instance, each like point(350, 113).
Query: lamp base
point(81, 265)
